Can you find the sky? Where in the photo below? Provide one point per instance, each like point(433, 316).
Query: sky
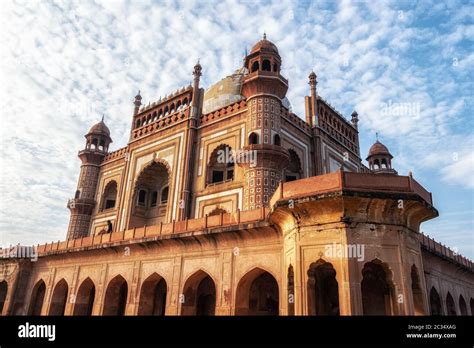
point(406, 67)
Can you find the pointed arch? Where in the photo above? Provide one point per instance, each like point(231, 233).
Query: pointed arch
point(109, 196)
point(3, 294)
point(450, 305)
point(416, 291)
point(294, 170)
point(257, 294)
point(435, 302)
point(147, 207)
point(323, 289)
point(37, 298)
point(377, 289)
point(199, 295)
point(153, 296)
point(462, 305)
point(59, 298)
point(85, 298)
point(115, 301)
point(221, 165)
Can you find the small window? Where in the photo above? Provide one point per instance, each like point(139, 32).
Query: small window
point(275, 67)
point(276, 140)
point(154, 199)
point(142, 197)
point(253, 138)
point(266, 65)
point(217, 176)
point(255, 66)
point(164, 195)
point(78, 193)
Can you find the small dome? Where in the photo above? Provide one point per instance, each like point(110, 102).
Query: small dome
point(379, 149)
point(224, 92)
point(100, 128)
point(264, 44)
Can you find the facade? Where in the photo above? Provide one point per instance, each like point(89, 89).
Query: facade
point(225, 202)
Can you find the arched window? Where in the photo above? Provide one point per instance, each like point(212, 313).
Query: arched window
point(154, 199)
point(148, 191)
point(164, 195)
point(141, 197)
point(275, 67)
point(94, 144)
point(255, 66)
point(110, 195)
point(266, 65)
point(178, 105)
point(137, 124)
point(221, 165)
point(276, 140)
point(185, 102)
point(293, 171)
point(160, 113)
point(253, 138)
point(166, 111)
point(172, 108)
point(77, 195)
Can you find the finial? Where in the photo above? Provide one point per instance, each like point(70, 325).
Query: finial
point(377, 136)
point(102, 118)
point(264, 35)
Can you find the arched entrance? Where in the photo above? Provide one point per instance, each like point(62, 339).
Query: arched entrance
point(59, 298)
point(257, 294)
point(85, 298)
point(323, 290)
point(153, 296)
point(377, 290)
point(116, 297)
point(435, 302)
point(37, 298)
point(462, 305)
point(450, 306)
point(151, 195)
point(416, 292)
point(3, 294)
point(199, 295)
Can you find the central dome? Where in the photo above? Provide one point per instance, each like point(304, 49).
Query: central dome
point(264, 44)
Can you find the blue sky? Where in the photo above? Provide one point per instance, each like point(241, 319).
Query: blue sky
point(63, 64)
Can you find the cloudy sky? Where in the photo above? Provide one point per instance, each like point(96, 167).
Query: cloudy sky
point(406, 67)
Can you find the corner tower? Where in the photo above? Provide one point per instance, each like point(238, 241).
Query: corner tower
point(81, 206)
point(264, 88)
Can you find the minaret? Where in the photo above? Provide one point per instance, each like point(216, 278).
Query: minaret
point(137, 103)
point(264, 88)
point(81, 206)
point(314, 99)
point(355, 119)
point(185, 204)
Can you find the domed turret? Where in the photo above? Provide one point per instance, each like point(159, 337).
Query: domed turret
point(380, 159)
point(98, 137)
point(264, 65)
